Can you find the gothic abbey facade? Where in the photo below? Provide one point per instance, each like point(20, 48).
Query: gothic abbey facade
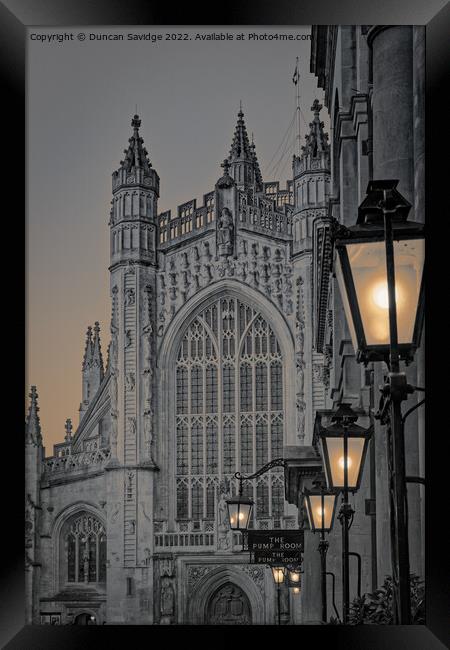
point(211, 368)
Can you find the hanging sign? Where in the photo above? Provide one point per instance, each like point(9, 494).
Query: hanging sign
point(275, 546)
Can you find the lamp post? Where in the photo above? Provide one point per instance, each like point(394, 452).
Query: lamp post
point(278, 577)
point(239, 512)
point(380, 267)
point(240, 507)
point(320, 507)
point(343, 448)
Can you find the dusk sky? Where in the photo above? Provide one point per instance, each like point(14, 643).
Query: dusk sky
point(81, 97)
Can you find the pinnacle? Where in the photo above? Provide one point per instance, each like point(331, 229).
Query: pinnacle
point(136, 156)
point(97, 358)
point(88, 350)
point(317, 139)
point(33, 425)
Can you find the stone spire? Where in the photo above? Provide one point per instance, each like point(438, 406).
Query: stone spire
point(88, 349)
point(97, 358)
point(33, 426)
point(243, 161)
point(317, 139)
point(240, 146)
point(136, 156)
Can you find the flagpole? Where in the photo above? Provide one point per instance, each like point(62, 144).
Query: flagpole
point(298, 108)
point(297, 102)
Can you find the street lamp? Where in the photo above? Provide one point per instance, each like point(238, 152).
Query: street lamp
point(343, 448)
point(320, 507)
point(278, 578)
point(380, 272)
point(240, 507)
point(379, 268)
point(239, 511)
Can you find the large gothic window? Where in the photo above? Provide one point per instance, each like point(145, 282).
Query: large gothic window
point(84, 544)
point(229, 409)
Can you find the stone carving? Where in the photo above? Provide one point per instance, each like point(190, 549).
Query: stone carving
point(132, 426)
point(166, 567)
point(197, 572)
point(167, 601)
point(225, 232)
point(128, 339)
point(223, 526)
point(256, 573)
point(130, 381)
point(148, 432)
point(130, 297)
point(317, 372)
point(147, 556)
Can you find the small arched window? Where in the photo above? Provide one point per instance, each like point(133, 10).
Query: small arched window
point(84, 550)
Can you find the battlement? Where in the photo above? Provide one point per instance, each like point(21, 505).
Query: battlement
point(267, 212)
point(280, 196)
point(188, 219)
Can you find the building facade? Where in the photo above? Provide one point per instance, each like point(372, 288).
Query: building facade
point(373, 79)
point(211, 369)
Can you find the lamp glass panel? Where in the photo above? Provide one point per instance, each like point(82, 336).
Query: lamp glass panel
point(409, 258)
point(278, 575)
point(316, 507)
point(345, 302)
point(239, 515)
point(355, 450)
point(368, 266)
point(294, 577)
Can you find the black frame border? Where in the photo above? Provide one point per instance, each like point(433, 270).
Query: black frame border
point(14, 20)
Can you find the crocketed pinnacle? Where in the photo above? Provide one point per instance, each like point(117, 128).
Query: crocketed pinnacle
point(88, 349)
point(97, 358)
point(240, 146)
point(317, 139)
point(244, 151)
point(136, 155)
point(33, 425)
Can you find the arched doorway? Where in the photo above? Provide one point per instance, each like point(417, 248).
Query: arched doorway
point(85, 619)
point(229, 605)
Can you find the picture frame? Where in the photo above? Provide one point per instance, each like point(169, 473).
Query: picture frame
point(15, 17)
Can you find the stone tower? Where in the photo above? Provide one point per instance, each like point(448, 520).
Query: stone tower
point(311, 177)
point(129, 478)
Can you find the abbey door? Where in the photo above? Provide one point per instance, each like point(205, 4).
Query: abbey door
point(229, 606)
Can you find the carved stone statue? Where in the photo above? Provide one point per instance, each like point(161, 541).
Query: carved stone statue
point(225, 230)
point(167, 602)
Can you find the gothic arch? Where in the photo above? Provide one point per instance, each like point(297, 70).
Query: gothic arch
point(198, 600)
point(61, 518)
point(167, 355)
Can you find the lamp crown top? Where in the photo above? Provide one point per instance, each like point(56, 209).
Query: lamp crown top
point(383, 196)
point(344, 412)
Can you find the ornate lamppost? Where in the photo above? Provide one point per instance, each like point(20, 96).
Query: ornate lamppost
point(320, 505)
point(380, 269)
point(343, 449)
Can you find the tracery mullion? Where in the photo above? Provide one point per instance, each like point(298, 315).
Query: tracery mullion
point(220, 440)
point(253, 367)
point(77, 563)
point(237, 386)
point(189, 440)
point(204, 447)
point(269, 417)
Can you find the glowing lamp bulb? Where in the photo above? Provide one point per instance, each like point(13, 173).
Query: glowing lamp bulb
point(380, 296)
point(342, 462)
point(241, 516)
point(296, 590)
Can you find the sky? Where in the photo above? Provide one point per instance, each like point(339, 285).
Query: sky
point(81, 95)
